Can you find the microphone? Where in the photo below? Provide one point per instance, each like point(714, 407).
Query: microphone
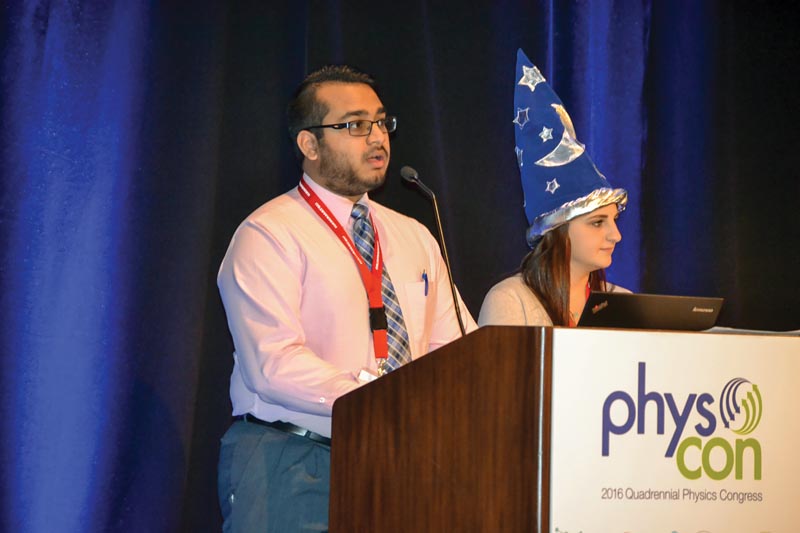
point(410, 175)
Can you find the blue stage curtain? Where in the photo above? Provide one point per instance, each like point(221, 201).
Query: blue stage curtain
point(110, 140)
point(598, 61)
point(72, 97)
point(136, 136)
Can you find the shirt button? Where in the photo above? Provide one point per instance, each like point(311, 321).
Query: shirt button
point(322, 400)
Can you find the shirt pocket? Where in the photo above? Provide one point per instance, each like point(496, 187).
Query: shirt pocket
point(415, 314)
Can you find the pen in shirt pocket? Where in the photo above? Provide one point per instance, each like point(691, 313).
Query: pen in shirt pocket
point(425, 279)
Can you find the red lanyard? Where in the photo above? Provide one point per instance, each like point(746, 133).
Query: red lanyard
point(371, 278)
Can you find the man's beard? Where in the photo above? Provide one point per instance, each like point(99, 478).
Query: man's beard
point(340, 176)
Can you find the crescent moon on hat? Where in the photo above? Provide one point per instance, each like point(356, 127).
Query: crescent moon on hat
point(568, 149)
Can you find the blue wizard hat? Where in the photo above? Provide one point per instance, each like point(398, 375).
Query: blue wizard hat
point(559, 179)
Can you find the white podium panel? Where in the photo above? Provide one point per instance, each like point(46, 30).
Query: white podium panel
point(674, 432)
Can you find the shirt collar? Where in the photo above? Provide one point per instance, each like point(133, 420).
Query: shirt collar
point(339, 206)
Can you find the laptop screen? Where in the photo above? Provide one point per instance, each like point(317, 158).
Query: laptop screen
point(649, 311)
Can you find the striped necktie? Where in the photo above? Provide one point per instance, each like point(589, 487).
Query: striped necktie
point(364, 239)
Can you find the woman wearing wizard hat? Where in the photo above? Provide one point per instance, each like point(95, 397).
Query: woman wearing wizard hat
point(572, 211)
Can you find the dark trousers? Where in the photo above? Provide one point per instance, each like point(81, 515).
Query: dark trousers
point(271, 481)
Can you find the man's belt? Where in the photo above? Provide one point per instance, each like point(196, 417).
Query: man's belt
point(286, 427)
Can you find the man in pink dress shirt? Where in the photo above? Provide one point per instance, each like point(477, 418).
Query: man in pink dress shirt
point(298, 309)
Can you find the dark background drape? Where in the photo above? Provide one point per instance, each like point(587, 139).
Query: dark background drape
point(136, 136)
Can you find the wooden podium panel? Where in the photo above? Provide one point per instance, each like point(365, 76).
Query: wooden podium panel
point(454, 441)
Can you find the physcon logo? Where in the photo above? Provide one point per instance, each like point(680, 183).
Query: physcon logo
point(704, 451)
point(730, 407)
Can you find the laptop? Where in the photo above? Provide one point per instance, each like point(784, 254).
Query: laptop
point(649, 311)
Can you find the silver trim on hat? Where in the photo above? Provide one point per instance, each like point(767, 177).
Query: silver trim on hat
point(586, 204)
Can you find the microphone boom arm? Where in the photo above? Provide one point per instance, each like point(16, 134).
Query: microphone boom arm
point(411, 176)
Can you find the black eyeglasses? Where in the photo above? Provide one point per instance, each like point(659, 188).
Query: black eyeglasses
point(362, 127)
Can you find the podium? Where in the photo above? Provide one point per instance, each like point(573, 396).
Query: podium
point(556, 429)
point(450, 442)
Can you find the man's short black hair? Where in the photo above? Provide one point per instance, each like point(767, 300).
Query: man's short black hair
point(305, 110)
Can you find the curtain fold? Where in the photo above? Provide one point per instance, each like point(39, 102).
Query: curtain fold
point(70, 99)
point(110, 148)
